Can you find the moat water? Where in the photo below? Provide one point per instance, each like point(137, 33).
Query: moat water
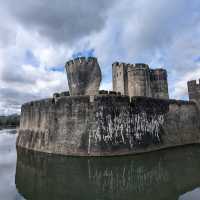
point(167, 175)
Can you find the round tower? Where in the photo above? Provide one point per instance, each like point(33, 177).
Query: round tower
point(119, 78)
point(159, 83)
point(84, 76)
point(139, 80)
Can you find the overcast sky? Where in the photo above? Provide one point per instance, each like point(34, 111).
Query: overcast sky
point(38, 37)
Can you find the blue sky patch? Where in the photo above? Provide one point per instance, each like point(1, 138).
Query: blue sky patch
point(31, 59)
point(197, 60)
point(57, 69)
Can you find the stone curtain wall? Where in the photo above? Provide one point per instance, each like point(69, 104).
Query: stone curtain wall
point(122, 124)
point(107, 125)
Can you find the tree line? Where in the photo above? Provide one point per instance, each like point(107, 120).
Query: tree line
point(10, 121)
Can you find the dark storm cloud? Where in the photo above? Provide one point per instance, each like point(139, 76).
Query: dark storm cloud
point(61, 21)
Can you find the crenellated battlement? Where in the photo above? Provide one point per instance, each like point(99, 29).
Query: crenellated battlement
point(119, 64)
point(141, 66)
point(82, 60)
point(158, 74)
point(129, 66)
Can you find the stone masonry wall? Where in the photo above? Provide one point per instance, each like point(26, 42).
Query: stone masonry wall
point(107, 125)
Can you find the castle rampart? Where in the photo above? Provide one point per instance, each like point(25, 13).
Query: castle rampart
point(109, 125)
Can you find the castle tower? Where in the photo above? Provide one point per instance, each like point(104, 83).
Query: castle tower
point(119, 78)
point(159, 84)
point(194, 90)
point(139, 80)
point(84, 76)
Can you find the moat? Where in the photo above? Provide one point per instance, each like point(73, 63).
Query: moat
point(167, 174)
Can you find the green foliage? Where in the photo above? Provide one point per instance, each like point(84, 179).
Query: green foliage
point(9, 121)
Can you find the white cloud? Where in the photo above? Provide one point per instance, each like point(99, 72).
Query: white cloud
point(158, 32)
point(180, 86)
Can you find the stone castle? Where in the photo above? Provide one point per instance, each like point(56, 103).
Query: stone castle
point(137, 116)
point(139, 80)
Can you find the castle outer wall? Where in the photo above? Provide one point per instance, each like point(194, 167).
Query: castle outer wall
point(107, 125)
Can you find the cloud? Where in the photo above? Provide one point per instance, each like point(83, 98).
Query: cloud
point(160, 33)
point(38, 37)
point(41, 84)
point(62, 21)
point(181, 89)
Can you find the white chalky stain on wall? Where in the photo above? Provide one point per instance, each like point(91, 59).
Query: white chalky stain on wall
point(126, 125)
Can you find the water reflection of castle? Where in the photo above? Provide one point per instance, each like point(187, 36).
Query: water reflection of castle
point(40, 176)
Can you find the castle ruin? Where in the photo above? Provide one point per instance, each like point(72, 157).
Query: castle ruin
point(139, 80)
point(89, 122)
point(194, 90)
point(84, 76)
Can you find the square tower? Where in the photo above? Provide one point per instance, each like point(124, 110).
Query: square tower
point(120, 78)
point(194, 90)
point(139, 80)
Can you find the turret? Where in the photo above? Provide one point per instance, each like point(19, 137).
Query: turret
point(159, 84)
point(119, 77)
point(194, 90)
point(139, 80)
point(84, 76)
